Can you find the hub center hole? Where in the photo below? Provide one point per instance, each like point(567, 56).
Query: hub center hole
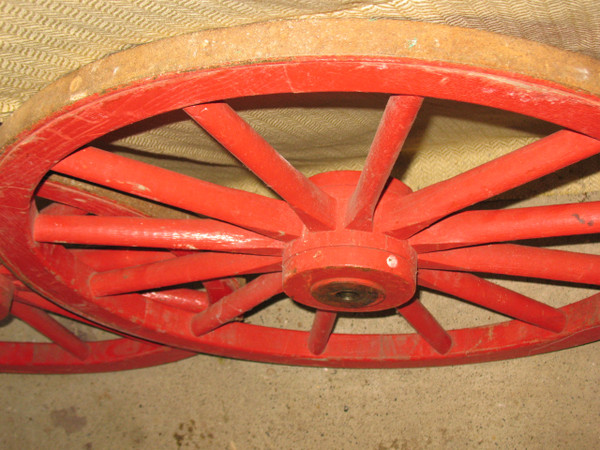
point(347, 295)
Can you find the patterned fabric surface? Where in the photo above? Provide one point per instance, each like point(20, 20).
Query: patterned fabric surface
point(41, 40)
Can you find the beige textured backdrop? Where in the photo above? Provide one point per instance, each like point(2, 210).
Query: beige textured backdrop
point(44, 39)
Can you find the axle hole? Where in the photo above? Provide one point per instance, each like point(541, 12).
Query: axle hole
point(347, 296)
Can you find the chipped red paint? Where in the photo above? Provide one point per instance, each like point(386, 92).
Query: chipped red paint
point(62, 276)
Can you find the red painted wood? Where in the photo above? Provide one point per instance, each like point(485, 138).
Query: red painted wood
point(111, 355)
point(186, 299)
point(426, 325)
point(487, 343)
point(418, 210)
point(398, 117)
point(62, 134)
point(185, 234)
point(82, 201)
point(312, 205)
point(154, 183)
point(320, 331)
point(238, 302)
point(7, 290)
point(58, 209)
point(27, 297)
point(102, 260)
point(185, 269)
point(217, 289)
point(489, 295)
point(518, 260)
point(488, 226)
point(105, 356)
point(53, 330)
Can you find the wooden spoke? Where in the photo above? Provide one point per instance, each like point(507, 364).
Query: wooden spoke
point(425, 324)
point(217, 289)
point(483, 227)
point(418, 210)
point(29, 298)
point(82, 201)
point(185, 269)
point(393, 129)
point(518, 260)
point(261, 214)
point(491, 296)
point(58, 209)
point(313, 206)
point(321, 331)
point(185, 299)
point(50, 328)
point(199, 234)
point(237, 303)
point(102, 260)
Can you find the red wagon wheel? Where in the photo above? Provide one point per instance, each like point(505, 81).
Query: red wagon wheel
point(68, 352)
point(337, 243)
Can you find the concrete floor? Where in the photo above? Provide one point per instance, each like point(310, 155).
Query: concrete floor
point(545, 401)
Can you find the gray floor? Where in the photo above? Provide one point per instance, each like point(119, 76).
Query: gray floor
point(546, 401)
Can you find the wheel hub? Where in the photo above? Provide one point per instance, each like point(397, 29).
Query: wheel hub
point(347, 292)
point(349, 270)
